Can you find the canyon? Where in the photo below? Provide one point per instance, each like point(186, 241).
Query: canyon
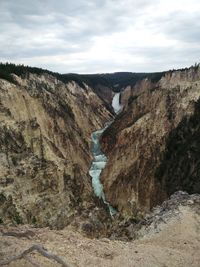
point(152, 145)
point(45, 150)
point(100, 161)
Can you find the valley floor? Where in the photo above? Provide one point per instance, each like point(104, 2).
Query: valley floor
point(175, 243)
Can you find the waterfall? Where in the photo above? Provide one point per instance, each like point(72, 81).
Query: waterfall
point(100, 159)
point(116, 103)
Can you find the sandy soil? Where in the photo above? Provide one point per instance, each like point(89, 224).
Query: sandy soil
point(177, 243)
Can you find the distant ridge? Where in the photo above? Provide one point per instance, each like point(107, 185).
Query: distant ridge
point(114, 81)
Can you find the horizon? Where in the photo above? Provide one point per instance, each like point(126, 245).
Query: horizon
point(97, 37)
point(103, 73)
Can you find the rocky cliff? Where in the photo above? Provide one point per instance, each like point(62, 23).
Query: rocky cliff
point(45, 138)
point(45, 128)
point(153, 145)
point(46, 121)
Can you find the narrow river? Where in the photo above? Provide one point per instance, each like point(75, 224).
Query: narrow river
point(100, 160)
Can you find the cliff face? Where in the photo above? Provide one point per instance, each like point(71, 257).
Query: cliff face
point(45, 128)
point(104, 92)
point(45, 134)
point(152, 145)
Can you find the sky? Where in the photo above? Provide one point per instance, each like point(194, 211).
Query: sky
point(98, 36)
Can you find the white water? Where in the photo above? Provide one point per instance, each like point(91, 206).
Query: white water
point(100, 159)
point(116, 104)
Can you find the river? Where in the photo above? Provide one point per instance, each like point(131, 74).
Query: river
point(100, 159)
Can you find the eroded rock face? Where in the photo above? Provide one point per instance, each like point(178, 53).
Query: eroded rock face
point(138, 175)
point(104, 92)
point(45, 128)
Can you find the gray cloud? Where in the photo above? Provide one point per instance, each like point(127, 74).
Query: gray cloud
point(100, 36)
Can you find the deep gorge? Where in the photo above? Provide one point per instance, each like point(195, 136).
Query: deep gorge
point(46, 130)
point(100, 159)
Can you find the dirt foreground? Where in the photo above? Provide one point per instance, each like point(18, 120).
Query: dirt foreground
point(176, 243)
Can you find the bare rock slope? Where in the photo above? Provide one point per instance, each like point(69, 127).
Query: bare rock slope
point(45, 128)
point(153, 145)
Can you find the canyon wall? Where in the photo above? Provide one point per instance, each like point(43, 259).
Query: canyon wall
point(45, 146)
point(153, 144)
point(45, 128)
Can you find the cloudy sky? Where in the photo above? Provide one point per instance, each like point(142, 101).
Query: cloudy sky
point(88, 36)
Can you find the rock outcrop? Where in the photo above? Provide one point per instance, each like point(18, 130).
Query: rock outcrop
point(45, 128)
point(153, 145)
point(179, 204)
